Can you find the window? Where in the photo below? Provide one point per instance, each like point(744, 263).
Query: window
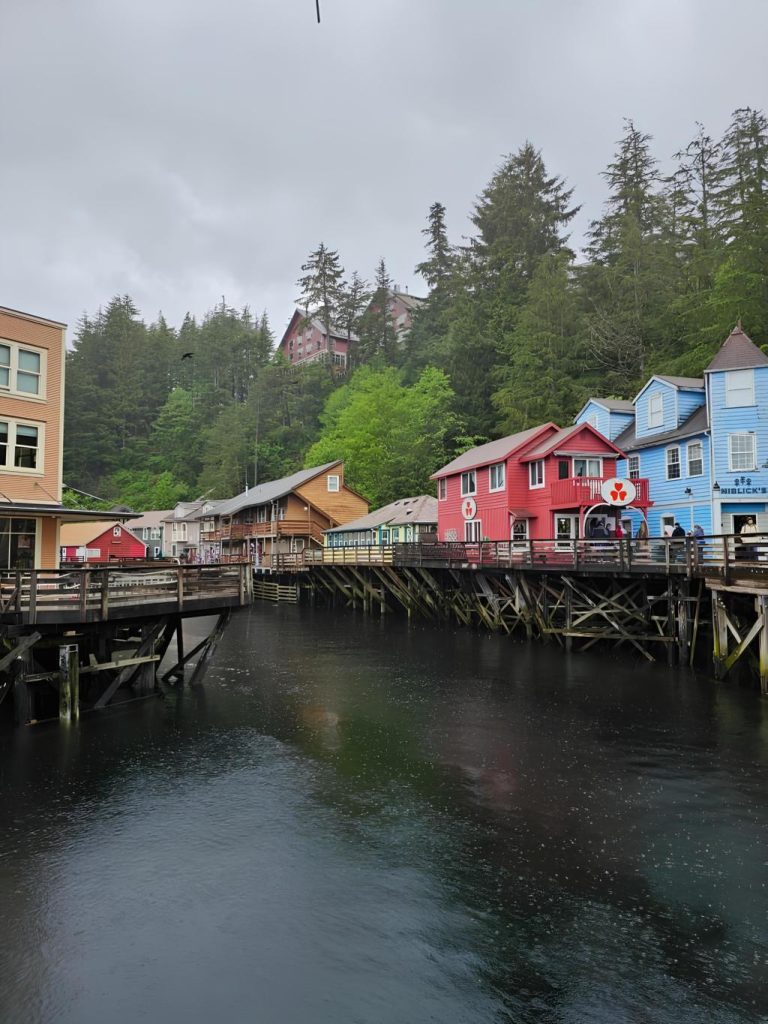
point(740, 387)
point(20, 445)
point(667, 525)
point(333, 482)
point(563, 469)
point(587, 467)
point(673, 463)
point(17, 543)
point(741, 452)
point(496, 477)
point(261, 514)
point(633, 467)
point(656, 410)
point(116, 531)
point(592, 420)
point(472, 531)
point(695, 458)
point(536, 473)
point(468, 483)
point(21, 370)
point(154, 533)
point(442, 489)
point(520, 530)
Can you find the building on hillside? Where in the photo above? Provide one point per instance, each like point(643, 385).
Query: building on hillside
point(282, 517)
point(703, 442)
point(32, 359)
point(306, 341)
point(610, 416)
point(181, 531)
point(99, 542)
point(402, 306)
point(404, 521)
point(541, 483)
point(149, 528)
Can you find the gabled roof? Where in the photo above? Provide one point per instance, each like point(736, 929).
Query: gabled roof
point(411, 302)
point(696, 423)
point(79, 534)
point(336, 331)
point(611, 404)
point(738, 352)
point(271, 491)
point(554, 441)
point(422, 510)
point(493, 451)
point(680, 383)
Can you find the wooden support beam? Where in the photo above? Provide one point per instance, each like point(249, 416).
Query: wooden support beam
point(69, 683)
point(761, 605)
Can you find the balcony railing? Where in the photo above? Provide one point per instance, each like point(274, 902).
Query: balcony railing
point(579, 491)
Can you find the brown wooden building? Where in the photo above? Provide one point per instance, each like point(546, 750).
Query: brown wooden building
point(281, 517)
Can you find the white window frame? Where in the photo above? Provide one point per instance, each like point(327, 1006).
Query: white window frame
point(442, 489)
point(522, 525)
point(261, 514)
point(473, 531)
point(468, 482)
point(733, 468)
point(10, 456)
point(536, 475)
point(334, 483)
point(500, 474)
point(116, 531)
point(656, 409)
point(667, 522)
point(592, 420)
point(688, 460)
point(587, 459)
point(11, 388)
point(739, 388)
point(633, 467)
point(668, 462)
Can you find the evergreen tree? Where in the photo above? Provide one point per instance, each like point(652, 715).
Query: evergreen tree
point(378, 337)
point(353, 302)
point(321, 290)
point(438, 267)
point(542, 376)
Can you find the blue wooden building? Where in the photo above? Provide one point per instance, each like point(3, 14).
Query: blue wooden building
point(702, 442)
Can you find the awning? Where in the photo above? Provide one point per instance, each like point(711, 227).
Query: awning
point(64, 515)
point(522, 513)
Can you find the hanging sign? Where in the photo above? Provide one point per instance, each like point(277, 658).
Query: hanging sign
point(469, 508)
point(618, 492)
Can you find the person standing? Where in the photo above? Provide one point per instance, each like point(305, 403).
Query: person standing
point(748, 528)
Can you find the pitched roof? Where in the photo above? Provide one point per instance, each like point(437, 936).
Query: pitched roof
point(611, 404)
point(738, 352)
point(690, 383)
point(272, 490)
point(493, 451)
point(422, 509)
point(553, 442)
point(150, 519)
point(696, 423)
point(336, 331)
point(409, 301)
point(79, 534)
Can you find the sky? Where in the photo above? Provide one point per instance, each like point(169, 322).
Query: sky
point(179, 151)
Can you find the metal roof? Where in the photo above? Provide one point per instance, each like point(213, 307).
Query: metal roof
point(611, 404)
point(76, 534)
point(493, 451)
point(691, 383)
point(271, 491)
point(552, 442)
point(150, 519)
point(66, 515)
point(738, 352)
point(696, 423)
point(421, 509)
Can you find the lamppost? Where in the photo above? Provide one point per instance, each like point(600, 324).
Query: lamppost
point(717, 515)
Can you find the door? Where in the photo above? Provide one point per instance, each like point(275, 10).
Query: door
point(566, 532)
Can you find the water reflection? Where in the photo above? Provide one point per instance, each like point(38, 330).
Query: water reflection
point(355, 821)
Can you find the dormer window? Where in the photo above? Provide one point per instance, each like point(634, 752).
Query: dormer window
point(739, 388)
point(656, 409)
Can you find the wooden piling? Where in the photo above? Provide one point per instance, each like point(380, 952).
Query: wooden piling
point(69, 683)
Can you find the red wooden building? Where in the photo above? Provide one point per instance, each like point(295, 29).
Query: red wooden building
point(99, 542)
point(306, 341)
point(541, 483)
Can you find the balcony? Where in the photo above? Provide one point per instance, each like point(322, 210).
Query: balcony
point(583, 491)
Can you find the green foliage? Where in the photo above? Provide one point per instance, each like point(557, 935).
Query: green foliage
point(390, 436)
point(143, 490)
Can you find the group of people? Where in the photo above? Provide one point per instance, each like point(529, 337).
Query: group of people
point(605, 528)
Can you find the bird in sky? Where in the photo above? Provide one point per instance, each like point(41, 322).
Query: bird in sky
point(187, 355)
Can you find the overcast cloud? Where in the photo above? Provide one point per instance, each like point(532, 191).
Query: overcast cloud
point(181, 150)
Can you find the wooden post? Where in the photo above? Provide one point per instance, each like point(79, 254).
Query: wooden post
point(568, 596)
point(22, 698)
point(180, 644)
point(84, 579)
point(671, 650)
point(33, 597)
point(682, 623)
point(762, 609)
point(104, 595)
point(69, 683)
point(719, 635)
point(180, 585)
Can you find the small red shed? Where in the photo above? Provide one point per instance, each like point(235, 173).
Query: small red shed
point(99, 542)
point(541, 483)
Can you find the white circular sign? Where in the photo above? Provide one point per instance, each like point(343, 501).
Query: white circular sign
point(618, 492)
point(469, 508)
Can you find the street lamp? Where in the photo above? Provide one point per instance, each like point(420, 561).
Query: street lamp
point(689, 495)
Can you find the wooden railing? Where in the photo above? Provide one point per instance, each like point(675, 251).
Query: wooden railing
point(300, 527)
point(93, 593)
point(577, 491)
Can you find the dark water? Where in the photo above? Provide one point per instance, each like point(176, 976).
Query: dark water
point(356, 823)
